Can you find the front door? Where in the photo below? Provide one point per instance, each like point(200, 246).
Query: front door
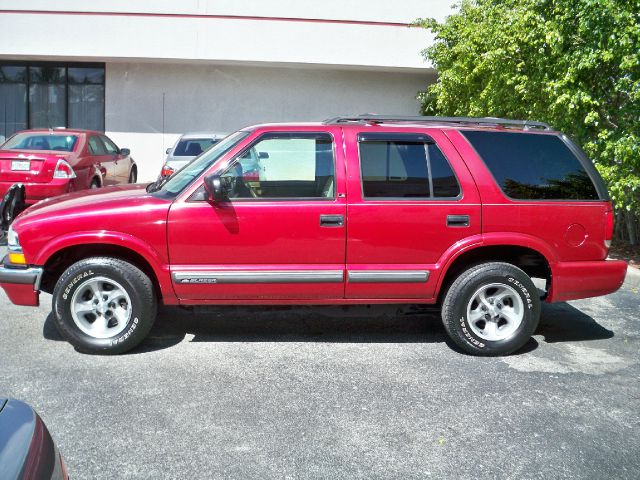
point(410, 199)
point(280, 234)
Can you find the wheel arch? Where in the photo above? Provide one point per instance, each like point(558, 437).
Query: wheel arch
point(62, 253)
point(534, 261)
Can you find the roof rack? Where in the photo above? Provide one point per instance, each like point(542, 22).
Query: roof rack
point(375, 118)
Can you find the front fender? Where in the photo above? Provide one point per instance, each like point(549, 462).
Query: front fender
point(136, 245)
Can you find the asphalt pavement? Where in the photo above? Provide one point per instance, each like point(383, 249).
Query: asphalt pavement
point(333, 392)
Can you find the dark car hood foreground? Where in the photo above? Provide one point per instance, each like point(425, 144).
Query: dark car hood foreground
point(26, 447)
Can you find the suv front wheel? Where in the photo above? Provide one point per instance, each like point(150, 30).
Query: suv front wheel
point(491, 309)
point(104, 305)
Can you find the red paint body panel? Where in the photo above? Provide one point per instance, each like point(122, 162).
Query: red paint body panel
point(573, 280)
point(178, 235)
point(39, 182)
point(23, 295)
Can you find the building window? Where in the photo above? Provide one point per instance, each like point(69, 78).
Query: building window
point(47, 95)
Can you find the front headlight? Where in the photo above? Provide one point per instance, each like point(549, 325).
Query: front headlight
point(12, 239)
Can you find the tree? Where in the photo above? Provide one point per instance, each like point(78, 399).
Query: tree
point(572, 63)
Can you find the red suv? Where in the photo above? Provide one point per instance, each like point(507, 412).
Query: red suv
point(465, 213)
point(56, 161)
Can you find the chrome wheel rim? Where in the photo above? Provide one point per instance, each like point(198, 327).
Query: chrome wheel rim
point(495, 312)
point(101, 308)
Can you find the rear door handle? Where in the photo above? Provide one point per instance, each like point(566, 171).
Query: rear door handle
point(331, 220)
point(457, 220)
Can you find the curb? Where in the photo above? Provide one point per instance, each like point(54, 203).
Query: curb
point(632, 278)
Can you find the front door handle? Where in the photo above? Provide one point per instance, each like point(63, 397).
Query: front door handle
point(457, 220)
point(331, 220)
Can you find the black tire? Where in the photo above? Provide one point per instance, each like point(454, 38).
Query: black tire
point(459, 298)
point(133, 175)
point(95, 183)
point(138, 287)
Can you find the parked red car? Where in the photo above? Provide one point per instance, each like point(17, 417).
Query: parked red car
point(464, 213)
point(56, 161)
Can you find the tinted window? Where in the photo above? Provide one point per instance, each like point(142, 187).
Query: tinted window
point(34, 95)
point(401, 168)
point(96, 147)
point(533, 166)
point(288, 165)
point(109, 146)
point(192, 147)
point(29, 141)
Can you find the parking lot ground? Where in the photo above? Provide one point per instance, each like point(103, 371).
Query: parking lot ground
point(332, 392)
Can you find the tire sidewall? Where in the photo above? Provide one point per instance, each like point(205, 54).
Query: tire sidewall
point(69, 284)
point(523, 286)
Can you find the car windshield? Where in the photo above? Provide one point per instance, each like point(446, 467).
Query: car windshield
point(183, 177)
point(192, 147)
point(39, 141)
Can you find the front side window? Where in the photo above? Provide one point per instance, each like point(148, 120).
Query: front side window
point(532, 166)
point(404, 166)
point(283, 165)
point(30, 141)
point(109, 146)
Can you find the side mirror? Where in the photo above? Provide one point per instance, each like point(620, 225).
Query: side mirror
point(214, 188)
point(125, 151)
point(263, 154)
point(168, 151)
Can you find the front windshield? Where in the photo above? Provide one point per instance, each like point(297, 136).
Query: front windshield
point(182, 178)
point(41, 141)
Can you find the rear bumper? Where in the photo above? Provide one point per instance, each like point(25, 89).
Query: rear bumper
point(573, 280)
point(34, 192)
point(21, 285)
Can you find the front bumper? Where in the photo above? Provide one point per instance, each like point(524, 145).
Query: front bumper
point(574, 280)
point(22, 285)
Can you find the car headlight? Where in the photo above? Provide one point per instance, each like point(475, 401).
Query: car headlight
point(12, 239)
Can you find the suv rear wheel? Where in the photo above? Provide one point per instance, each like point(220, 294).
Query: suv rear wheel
point(104, 305)
point(491, 309)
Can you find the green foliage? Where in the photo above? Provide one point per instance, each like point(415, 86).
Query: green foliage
point(572, 63)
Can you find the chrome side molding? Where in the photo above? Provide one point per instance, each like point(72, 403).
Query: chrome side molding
point(387, 276)
point(260, 276)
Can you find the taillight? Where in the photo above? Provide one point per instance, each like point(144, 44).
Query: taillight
point(609, 223)
point(167, 171)
point(63, 170)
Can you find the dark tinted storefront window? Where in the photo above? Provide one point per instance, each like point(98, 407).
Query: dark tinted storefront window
point(533, 166)
point(86, 98)
point(43, 95)
point(13, 99)
point(47, 97)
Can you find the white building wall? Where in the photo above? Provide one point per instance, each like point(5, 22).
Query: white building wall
point(148, 105)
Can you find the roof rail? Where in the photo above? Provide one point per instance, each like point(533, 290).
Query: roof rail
point(375, 118)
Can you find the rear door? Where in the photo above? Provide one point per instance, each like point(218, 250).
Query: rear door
point(279, 235)
point(410, 199)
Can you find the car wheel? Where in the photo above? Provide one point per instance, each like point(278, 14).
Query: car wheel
point(104, 305)
point(491, 309)
point(133, 176)
point(95, 183)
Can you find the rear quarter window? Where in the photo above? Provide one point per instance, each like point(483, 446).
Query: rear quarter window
point(529, 166)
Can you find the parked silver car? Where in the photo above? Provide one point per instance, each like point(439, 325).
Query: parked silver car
point(188, 147)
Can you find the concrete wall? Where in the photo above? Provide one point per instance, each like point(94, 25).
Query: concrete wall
point(148, 105)
point(367, 33)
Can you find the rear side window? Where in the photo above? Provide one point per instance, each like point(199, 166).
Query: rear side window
point(531, 166)
point(405, 166)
